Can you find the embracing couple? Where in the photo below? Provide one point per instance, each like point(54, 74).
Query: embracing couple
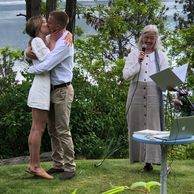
point(51, 93)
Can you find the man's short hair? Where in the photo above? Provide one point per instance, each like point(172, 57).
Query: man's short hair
point(60, 18)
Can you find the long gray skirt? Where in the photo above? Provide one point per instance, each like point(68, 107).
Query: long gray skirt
point(143, 112)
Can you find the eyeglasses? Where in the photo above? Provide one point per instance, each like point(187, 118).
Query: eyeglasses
point(149, 37)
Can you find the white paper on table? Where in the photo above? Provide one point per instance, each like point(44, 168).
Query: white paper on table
point(151, 132)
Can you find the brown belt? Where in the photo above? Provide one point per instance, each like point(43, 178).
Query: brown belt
point(53, 87)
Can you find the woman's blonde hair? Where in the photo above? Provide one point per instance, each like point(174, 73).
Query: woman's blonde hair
point(33, 26)
point(150, 28)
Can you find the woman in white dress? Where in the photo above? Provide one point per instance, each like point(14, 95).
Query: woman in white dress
point(144, 103)
point(39, 94)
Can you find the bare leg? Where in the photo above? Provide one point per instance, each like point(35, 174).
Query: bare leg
point(39, 120)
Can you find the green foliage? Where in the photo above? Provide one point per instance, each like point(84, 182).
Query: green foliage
point(181, 40)
point(116, 190)
point(146, 187)
point(15, 122)
point(14, 114)
point(78, 31)
point(186, 16)
point(74, 192)
point(181, 152)
point(7, 58)
point(98, 121)
point(182, 51)
point(43, 7)
point(97, 116)
point(100, 97)
point(121, 23)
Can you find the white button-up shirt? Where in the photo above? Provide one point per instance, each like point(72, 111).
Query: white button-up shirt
point(59, 61)
point(148, 66)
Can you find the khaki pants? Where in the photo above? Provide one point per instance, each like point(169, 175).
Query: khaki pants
point(58, 128)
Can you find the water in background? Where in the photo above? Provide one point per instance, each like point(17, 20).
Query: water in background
point(12, 26)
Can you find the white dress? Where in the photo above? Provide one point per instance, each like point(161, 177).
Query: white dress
point(143, 104)
point(39, 94)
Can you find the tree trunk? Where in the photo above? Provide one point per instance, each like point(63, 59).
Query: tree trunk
point(51, 5)
point(33, 8)
point(71, 12)
point(111, 2)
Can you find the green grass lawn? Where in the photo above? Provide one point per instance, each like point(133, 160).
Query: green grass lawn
point(95, 180)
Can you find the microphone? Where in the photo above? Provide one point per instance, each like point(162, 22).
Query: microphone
point(141, 56)
point(143, 47)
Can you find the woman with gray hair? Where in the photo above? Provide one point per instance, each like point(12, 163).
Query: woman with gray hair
point(144, 102)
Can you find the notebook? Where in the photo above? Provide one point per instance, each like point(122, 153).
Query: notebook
point(182, 128)
point(170, 77)
point(150, 132)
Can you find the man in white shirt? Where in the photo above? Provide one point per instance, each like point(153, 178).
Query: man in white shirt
point(60, 64)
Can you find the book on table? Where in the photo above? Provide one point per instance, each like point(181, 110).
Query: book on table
point(151, 132)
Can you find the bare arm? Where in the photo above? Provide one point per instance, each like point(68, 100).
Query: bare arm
point(29, 53)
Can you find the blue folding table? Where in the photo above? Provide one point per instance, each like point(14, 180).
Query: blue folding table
point(164, 148)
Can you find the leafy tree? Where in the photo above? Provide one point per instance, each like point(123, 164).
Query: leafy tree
point(120, 23)
point(186, 16)
point(182, 51)
point(98, 117)
point(98, 120)
point(14, 114)
point(100, 59)
point(181, 41)
point(180, 44)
